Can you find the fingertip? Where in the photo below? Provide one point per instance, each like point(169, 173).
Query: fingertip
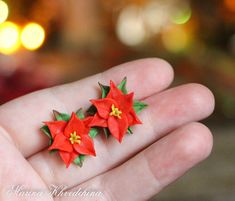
point(196, 143)
point(157, 72)
point(202, 99)
point(167, 68)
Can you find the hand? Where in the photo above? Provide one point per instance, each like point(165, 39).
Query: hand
point(163, 148)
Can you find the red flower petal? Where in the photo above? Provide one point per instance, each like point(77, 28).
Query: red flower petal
point(125, 102)
point(114, 91)
point(68, 158)
point(74, 124)
point(98, 121)
point(86, 146)
point(118, 127)
point(56, 127)
point(87, 120)
point(103, 106)
point(132, 118)
point(60, 142)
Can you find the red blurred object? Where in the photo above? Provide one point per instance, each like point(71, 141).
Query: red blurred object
point(20, 83)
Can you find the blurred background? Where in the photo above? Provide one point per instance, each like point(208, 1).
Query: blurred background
point(49, 42)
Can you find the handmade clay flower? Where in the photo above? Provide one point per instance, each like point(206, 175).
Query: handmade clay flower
point(71, 138)
point(116, 110)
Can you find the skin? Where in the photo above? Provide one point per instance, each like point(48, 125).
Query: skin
point(163, 148)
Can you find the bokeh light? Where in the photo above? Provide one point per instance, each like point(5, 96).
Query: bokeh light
point(3, 11)
point(182, 14)
point(230, 4)
point(175, 39)
point(130, 26)
point(155, 15)
point(32, 36)
point(9, 37)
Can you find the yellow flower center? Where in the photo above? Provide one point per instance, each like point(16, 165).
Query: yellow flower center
point(115, 112)
point(74, 138)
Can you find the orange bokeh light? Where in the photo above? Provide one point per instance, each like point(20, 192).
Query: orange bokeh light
point(230, 4)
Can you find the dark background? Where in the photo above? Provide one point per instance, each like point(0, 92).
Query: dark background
point(83, 37)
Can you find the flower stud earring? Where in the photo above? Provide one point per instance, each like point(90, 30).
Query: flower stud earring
point(71, 137)
point(116, 111)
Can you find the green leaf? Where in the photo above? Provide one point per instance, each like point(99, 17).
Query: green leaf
point(106, 132)
point(47, 132)
point(139, 106)
point(79, 160)
point(93, 132)
point(91, 110)
point(129, 130)
point(53, 151)
point(122, 86)
point(61, 116)
point(50, 142)
point(80, 114)
point(104, 90)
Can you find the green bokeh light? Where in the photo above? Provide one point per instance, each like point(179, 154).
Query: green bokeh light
point(182, 16)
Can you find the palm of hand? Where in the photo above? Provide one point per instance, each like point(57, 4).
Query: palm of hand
point(168, 144)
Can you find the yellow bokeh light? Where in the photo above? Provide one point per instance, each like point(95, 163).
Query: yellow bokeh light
point(3, 11)
point(176, 39)
point(32, 36)
point(9, 38)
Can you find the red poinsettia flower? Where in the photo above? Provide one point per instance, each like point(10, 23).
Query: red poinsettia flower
point(71, 138)
point(115, 112)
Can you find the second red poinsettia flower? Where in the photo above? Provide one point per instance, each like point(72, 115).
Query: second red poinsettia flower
point(71, 138)
point(115, 111)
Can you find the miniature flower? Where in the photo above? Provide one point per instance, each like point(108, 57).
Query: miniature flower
point(115, 112)
point(71, 138)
